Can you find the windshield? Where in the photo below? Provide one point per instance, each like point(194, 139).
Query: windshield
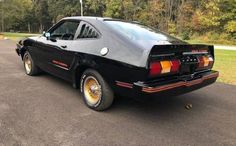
point(140, 32)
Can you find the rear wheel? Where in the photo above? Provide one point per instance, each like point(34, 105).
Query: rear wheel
point(97, 94)
point(30, 68)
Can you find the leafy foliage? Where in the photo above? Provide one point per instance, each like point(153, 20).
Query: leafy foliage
point(178, 17)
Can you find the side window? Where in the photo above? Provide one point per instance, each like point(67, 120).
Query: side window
point(65, 31)
point(87, 31)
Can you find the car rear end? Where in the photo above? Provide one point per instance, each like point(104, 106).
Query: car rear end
point(178, 69)
point(172, 66)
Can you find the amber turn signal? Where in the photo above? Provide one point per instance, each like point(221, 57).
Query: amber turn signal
point(166, 66)
point(205, 61)
point(163, 67)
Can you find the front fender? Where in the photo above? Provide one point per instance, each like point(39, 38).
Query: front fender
point(22, 45)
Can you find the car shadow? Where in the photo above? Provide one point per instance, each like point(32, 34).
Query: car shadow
point(157, 110)
point(154, 103)
point(149, 107)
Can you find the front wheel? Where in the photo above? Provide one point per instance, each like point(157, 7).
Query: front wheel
point(30, 68)
point(97, 94)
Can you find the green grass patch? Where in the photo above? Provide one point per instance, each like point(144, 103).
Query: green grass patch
point(17, 36)
point(226, 65)
point(196, 42)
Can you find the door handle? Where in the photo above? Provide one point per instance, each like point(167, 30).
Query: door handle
point(64, 46)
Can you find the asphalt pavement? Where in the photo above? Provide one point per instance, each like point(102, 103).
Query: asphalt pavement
point(45, 110)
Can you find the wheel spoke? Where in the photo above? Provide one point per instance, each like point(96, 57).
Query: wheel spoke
point(92, 90)
point(28, 64)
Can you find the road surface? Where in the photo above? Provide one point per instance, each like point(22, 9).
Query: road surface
point(44, 110)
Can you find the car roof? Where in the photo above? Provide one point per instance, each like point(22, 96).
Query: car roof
point(88, 18)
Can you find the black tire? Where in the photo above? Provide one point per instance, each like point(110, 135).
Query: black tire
point(106, 97)
point(33, 70)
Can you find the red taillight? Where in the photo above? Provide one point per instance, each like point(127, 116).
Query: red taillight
point(163, 67)
point(155, 68)
point(211, 62)
point(175, 65)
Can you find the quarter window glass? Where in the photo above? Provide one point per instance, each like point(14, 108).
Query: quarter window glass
point(65, 31)
point(87, 31)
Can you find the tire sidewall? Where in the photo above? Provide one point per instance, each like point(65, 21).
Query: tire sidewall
point(83, 78)
point(28, 54)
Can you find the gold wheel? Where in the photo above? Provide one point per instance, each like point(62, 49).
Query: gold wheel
point(28, 64)
point(92, 90)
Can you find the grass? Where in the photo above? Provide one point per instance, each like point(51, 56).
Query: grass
point(225, 59)
point(17, 36)
point(226, 65)
point(196, 42)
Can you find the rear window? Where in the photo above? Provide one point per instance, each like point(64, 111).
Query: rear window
point(135, 31)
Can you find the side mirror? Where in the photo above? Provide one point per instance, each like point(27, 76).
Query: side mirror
point(47, 35)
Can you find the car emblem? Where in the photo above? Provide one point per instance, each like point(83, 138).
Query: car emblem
point(104, 51)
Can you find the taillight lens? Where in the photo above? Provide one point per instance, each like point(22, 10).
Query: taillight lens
point(155, 68)
point(211, 62)
point(175, 66)
point(166, 66)
point(205, 62)
point(163, 67)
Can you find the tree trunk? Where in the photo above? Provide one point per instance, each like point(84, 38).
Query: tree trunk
point(3, 29)
point(29, 30)
point(41, 28)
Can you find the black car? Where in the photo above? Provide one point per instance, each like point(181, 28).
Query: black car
point(104, 56)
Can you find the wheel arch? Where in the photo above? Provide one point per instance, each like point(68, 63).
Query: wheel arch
point(80, 69)
point(22, 52)
point(26, 43)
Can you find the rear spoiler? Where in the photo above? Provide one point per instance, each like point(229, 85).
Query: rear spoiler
point(171, 50)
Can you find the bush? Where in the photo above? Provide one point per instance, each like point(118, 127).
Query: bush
point(172, 29)
point(185, 35)
point(231, 26)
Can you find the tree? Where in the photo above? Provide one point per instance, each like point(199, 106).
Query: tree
point(178, 17)
point(14, 12)
point(154, 14)
point(228, 16)
point(94, 7)
point(207, 18)
point(41, 9)
point(185, 16)
point(114, 8)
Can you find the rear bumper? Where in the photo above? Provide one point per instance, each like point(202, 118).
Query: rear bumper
point(173, 87)
point(212, 76)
